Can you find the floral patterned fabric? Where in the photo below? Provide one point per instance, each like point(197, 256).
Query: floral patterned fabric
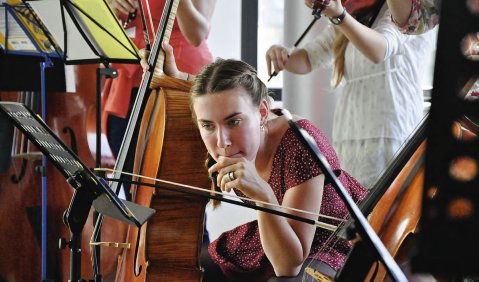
point(424, 16)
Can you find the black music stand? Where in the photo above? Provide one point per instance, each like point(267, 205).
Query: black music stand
point(89, 32)
point(77, 32)
point(89, 190)
point(24, 37)
point(370, 247)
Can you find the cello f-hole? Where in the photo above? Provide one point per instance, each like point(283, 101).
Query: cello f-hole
point(17, 178)
point(73, 140)
point(137, 268)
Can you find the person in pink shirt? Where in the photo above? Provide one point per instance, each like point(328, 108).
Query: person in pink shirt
point(188, 37)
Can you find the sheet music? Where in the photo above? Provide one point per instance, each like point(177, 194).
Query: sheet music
point(77, 48)
point(18, 39)
point(50, 14)
point(104, 40)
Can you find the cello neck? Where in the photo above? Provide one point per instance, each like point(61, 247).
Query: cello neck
point(163, 33)
point(168, 28)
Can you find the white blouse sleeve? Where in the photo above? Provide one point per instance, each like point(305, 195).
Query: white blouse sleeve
point(394, 38)
point(320, 50)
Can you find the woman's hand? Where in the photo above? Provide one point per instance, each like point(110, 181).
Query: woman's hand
point(309, 3)
point(169, 66)
point(277, 56)
point(144, 54)
point(330, 8)
point(245, 178)
point(123, 6)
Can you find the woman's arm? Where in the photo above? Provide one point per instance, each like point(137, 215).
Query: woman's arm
point(277, 58)
point(369, 42)
point(414, 16)
point(194, 18)
point(169, 67)
point(287, 242)
point(400, 10)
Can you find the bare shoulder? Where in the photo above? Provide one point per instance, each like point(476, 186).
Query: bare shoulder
point(277, 126)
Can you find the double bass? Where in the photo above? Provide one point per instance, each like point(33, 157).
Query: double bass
point(19, 202)
point(20, 191)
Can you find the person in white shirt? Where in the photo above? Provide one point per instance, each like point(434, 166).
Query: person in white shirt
point(382, 99)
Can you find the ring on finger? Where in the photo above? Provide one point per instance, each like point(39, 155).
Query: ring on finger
point(231, 175)
point(227, 177)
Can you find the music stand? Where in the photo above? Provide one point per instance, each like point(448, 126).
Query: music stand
point(77, 32)
point(370, 246)
point(19, 35)
point(89, 190)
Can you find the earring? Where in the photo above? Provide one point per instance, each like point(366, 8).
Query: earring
point(261, 127)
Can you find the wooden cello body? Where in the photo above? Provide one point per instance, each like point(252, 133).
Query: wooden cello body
point(169, 147)
point(21, 201)
point(396, 216)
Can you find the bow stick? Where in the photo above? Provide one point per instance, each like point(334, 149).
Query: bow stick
point(318, 7)
point(219, 196)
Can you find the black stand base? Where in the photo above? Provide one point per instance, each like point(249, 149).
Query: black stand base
point(358, 264)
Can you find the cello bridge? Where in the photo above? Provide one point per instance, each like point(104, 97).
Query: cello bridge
point(316, 275)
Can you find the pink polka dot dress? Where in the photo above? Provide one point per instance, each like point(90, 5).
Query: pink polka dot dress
point(239, 253)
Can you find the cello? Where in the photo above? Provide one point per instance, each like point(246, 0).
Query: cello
point(396, 212)
point(394, 205)
point(397, 221)
point(167, 247)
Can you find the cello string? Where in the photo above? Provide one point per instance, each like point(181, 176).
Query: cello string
point(220, 193)
point(167, 19)
point(330, 242)
point(120, 162)
point(146, 34)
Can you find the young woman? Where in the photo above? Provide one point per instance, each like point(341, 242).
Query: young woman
point(382, 99)
point(259, 156)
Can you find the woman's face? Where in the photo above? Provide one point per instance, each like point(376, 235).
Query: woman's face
point(229, 123)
